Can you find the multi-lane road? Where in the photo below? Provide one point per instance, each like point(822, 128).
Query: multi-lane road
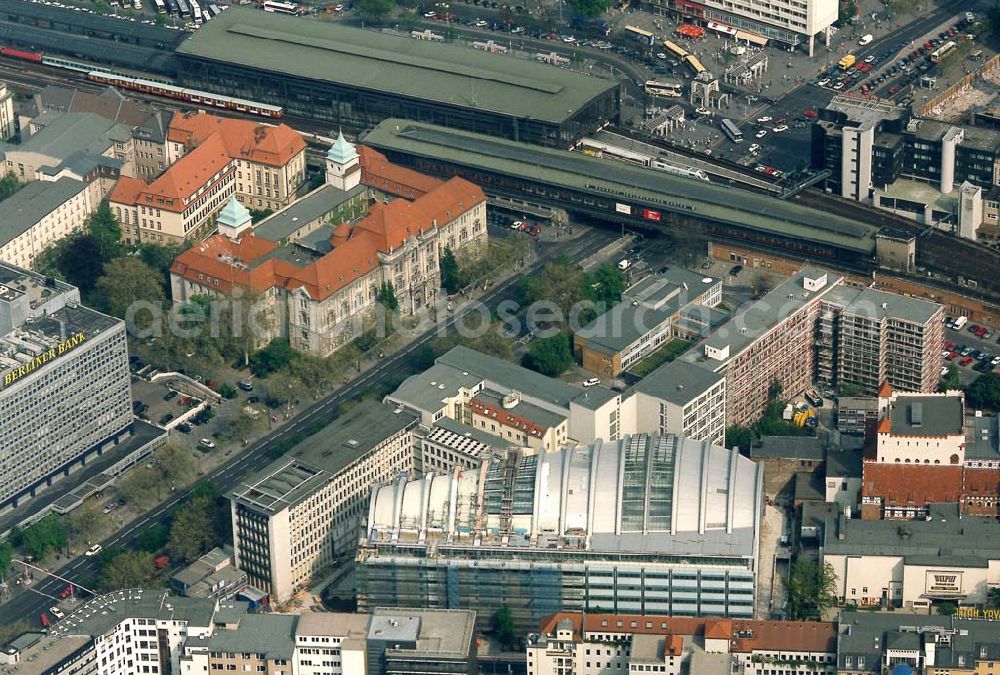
point(30, 603)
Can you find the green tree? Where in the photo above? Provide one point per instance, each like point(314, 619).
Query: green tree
point(104, 227)
point(125, 281)
point(374, 11)
point(606, 285)
point(6, 556)
point(549, 356)
point(590, 8)
point(275, 356)
point(160, 257)
point(849, 389)
point(739, 437)
point(176, 464)
point(152, 538)
point(8, 185)
point(449, 272)
point(387, 296)
point(503, 627)
point(142, 487)
point(951, 379)
point(84, 522)
point(993, 597)
point(811, 589)
point(257, 215)
point(946, 608)
point(45, 536)
point(126, 569)
point(193, 531)
point(984, 392)
point(160, 20)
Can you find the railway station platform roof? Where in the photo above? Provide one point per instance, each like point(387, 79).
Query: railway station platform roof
point(393, 64)
point(89, 23)
point(624, 183)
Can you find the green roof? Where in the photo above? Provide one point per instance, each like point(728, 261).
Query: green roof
point(629, 183)
point(398, 65)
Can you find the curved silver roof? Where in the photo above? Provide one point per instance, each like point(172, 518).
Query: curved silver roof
point(641, 493)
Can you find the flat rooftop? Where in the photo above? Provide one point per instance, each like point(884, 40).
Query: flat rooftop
point(283, 224)
point(606, 178)
point(69, 133)
point(393, 64)
point(313, 462)
point(100, 613)
point(439, 631)
point(678, 382)
point(927, 416)
point(936, 540)
point(871, 302)
point(623, 325)
point(270, 634)
point(757, 319)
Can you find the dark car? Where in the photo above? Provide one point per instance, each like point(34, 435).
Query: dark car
point(166, 418)
point(170, 395)
point(736, 269)
point(184, 428)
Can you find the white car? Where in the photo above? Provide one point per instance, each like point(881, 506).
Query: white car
point(481, 24)
point(430, 15)
point(93, 550)
point(764, 120)
point(207, 443)
point(996, 361)
point(517, 225)
point(592, 382)
point(869, 59)
point(57, 613)
point(781, 127)
point(754, 149)
point(703, 111)
point(822, 83)
point(661, 55)
point(760, 134)
point(569, 39)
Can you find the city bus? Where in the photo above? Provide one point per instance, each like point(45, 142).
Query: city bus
point(694, 64)
point(675, 50)
point(281, 7)
point(731, 130)
point(942, 51)
point(161, 6)
point(640, 34)
point(654, 88)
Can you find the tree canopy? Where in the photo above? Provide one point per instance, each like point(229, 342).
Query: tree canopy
point(811, 589)
point(984, 392)
point(449, 272)
point(549, 356)
point(374, 11)
point(125, 281)
point(81, 257)
point(45, 536)
point(126, 569)
point(275, 356)
point(590, 8)
point(8, 185)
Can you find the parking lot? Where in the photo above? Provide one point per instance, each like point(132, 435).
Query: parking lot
point(974, 349)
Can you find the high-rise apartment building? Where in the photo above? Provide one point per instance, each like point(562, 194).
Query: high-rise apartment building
point(866, 337)
point(646, 524)
point(64, 381)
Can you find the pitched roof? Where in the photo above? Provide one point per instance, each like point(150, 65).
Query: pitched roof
point(381, 174)
point(721, 629)
point(256, 263)
point(905, 484)
point(175, 186)
point(243, 139)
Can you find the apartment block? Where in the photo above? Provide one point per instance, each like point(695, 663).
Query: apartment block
point(40, 214)
point(647, 524)
point(770, 341)
point(149, 141)
point(592, 644)
point(502, 399)
point(270, 161)
point(866, 337)
point(676, 303)
point(321, 276)
point(301, 513)
point(64, 368)
point(790, 23)
point(678, 398)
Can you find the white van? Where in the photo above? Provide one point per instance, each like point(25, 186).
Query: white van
point(624, 264)
point(865, 40)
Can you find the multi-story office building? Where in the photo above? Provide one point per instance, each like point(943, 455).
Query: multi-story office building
point(321, 280)
point(678, 398)
point(270, 160)
point(301, 513)
point(933, 172)
point(771, 341)
point(594, 644)
point(647, 524)
point(410, 641)
point(538, 411)
point(38, 215)
point(866, 337)
point(64, 381)
point(790, 23)
point(651, 312)
point(8, 120)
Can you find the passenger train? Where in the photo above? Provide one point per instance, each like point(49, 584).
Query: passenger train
point(110, 77)
point(589, 146)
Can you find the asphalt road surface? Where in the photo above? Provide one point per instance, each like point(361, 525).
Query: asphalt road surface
point(44, 592)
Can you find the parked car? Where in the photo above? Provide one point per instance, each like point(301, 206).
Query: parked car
point(966, 361)
point(57, 613)
point(93, 550)
point(591, 382)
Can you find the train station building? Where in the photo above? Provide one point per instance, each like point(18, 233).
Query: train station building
point(357, 78)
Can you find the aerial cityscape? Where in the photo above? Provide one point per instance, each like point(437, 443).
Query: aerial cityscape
point(524, 337)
